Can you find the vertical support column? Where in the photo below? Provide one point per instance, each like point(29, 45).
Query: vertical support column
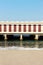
point(27, 28)
point(36, 37)
point(5, 38)
point(21, 43)
point(31, 28)
point(21, 37)
point(22, 28)
point(17, 28)
point(37, 28)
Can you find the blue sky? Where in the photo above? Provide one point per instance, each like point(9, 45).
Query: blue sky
point(21, 10)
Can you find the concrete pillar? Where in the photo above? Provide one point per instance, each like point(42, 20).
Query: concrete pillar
point(36, 37)
point(21, 37)
point(5, 36)
point(21, 43)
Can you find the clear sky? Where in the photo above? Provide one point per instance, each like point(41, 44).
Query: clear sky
point(21, 10)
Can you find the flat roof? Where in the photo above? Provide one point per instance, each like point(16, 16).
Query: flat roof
point(21, 22)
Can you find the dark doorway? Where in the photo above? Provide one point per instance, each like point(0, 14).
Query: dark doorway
point(1, 37)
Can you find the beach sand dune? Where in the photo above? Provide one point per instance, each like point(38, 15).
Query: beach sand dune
point(21, 57)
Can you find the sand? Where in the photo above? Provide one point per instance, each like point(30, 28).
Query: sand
point(21, 57)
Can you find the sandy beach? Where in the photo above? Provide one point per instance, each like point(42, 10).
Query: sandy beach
point(21, 57)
